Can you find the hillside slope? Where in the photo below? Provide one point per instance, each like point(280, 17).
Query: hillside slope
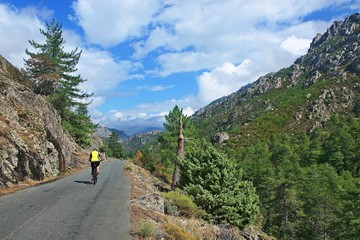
point(303, 96)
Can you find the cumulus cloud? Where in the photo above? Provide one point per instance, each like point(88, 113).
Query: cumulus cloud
point(110, 22)
point(102, 72)
point(296, 46)
point(15, 31)
point(222, 81)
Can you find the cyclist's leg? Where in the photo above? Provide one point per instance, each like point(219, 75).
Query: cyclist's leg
point(93, 167)
point(98, 168)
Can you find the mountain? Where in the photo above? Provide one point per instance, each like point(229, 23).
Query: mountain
point(105, 132)
point(323, 83)
point(33, 143)
point(122, 135)
point(140, 141)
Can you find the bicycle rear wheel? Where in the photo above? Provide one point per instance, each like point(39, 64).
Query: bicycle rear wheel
point(94, 176)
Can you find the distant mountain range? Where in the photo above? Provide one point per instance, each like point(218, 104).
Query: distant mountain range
point(105, 132)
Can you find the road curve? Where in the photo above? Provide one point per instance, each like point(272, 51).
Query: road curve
point(70, 208)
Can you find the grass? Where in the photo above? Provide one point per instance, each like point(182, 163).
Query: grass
point(144, 228)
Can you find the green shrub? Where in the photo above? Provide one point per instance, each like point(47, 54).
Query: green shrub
point(180, 203)
point(144, 228)
point(217, 187)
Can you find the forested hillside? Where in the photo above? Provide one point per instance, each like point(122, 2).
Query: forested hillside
point(296, 135)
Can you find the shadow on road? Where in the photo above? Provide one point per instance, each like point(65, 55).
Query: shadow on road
point(84, 182)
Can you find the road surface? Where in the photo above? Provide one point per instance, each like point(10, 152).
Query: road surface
point(70, 208)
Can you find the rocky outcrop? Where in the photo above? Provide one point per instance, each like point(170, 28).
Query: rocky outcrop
point(221, 137)
point(33, 143)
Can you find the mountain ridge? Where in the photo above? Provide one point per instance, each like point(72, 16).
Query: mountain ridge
point(303, 90)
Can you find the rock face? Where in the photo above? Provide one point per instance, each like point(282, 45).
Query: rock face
point(33, 143)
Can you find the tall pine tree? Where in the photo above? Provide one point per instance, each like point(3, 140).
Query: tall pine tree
point(115, 146)
point(53, 72)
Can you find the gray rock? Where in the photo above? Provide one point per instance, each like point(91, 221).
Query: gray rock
point(221, 137)
point(34, 145)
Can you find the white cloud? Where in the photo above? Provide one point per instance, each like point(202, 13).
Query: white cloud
point(188, 111)
point(15, 31)
point(155, 88)
point(296, 46)
point(110, 22)
point(102, 72)
point(222, 81)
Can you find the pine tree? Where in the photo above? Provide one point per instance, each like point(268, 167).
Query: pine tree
point(53, 72)
point(170, 135)
point(115, 146)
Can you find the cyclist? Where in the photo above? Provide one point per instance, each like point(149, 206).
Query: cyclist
point(95, 160)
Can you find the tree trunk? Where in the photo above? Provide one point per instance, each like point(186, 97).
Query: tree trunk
point(180, 154)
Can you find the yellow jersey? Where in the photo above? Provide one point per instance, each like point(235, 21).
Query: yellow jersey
point(94, 156)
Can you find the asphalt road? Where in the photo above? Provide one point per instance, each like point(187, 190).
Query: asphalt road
point(70, 208)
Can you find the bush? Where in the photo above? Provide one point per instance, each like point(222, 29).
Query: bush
point(217, 187)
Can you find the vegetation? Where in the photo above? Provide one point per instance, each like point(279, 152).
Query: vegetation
point(114, 147)
point(306, 182)
point(174, 232)
point(144, 228)
point(178, 203)
point(52, 70)
point(217, 187)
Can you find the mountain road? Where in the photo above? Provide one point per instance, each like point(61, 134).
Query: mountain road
point(70, 208)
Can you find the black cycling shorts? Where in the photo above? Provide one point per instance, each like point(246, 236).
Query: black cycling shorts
point(95, 164)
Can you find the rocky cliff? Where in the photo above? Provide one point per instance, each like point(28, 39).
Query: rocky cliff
point(33, 143)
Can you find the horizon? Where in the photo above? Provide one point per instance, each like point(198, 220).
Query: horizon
point(141, 58)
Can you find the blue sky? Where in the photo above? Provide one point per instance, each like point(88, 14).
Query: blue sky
point(143, 57)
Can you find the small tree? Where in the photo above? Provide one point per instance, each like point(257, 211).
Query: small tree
point(172, 140)
point(217, 187)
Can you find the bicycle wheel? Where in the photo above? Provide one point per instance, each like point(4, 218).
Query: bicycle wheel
point(94, 177)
